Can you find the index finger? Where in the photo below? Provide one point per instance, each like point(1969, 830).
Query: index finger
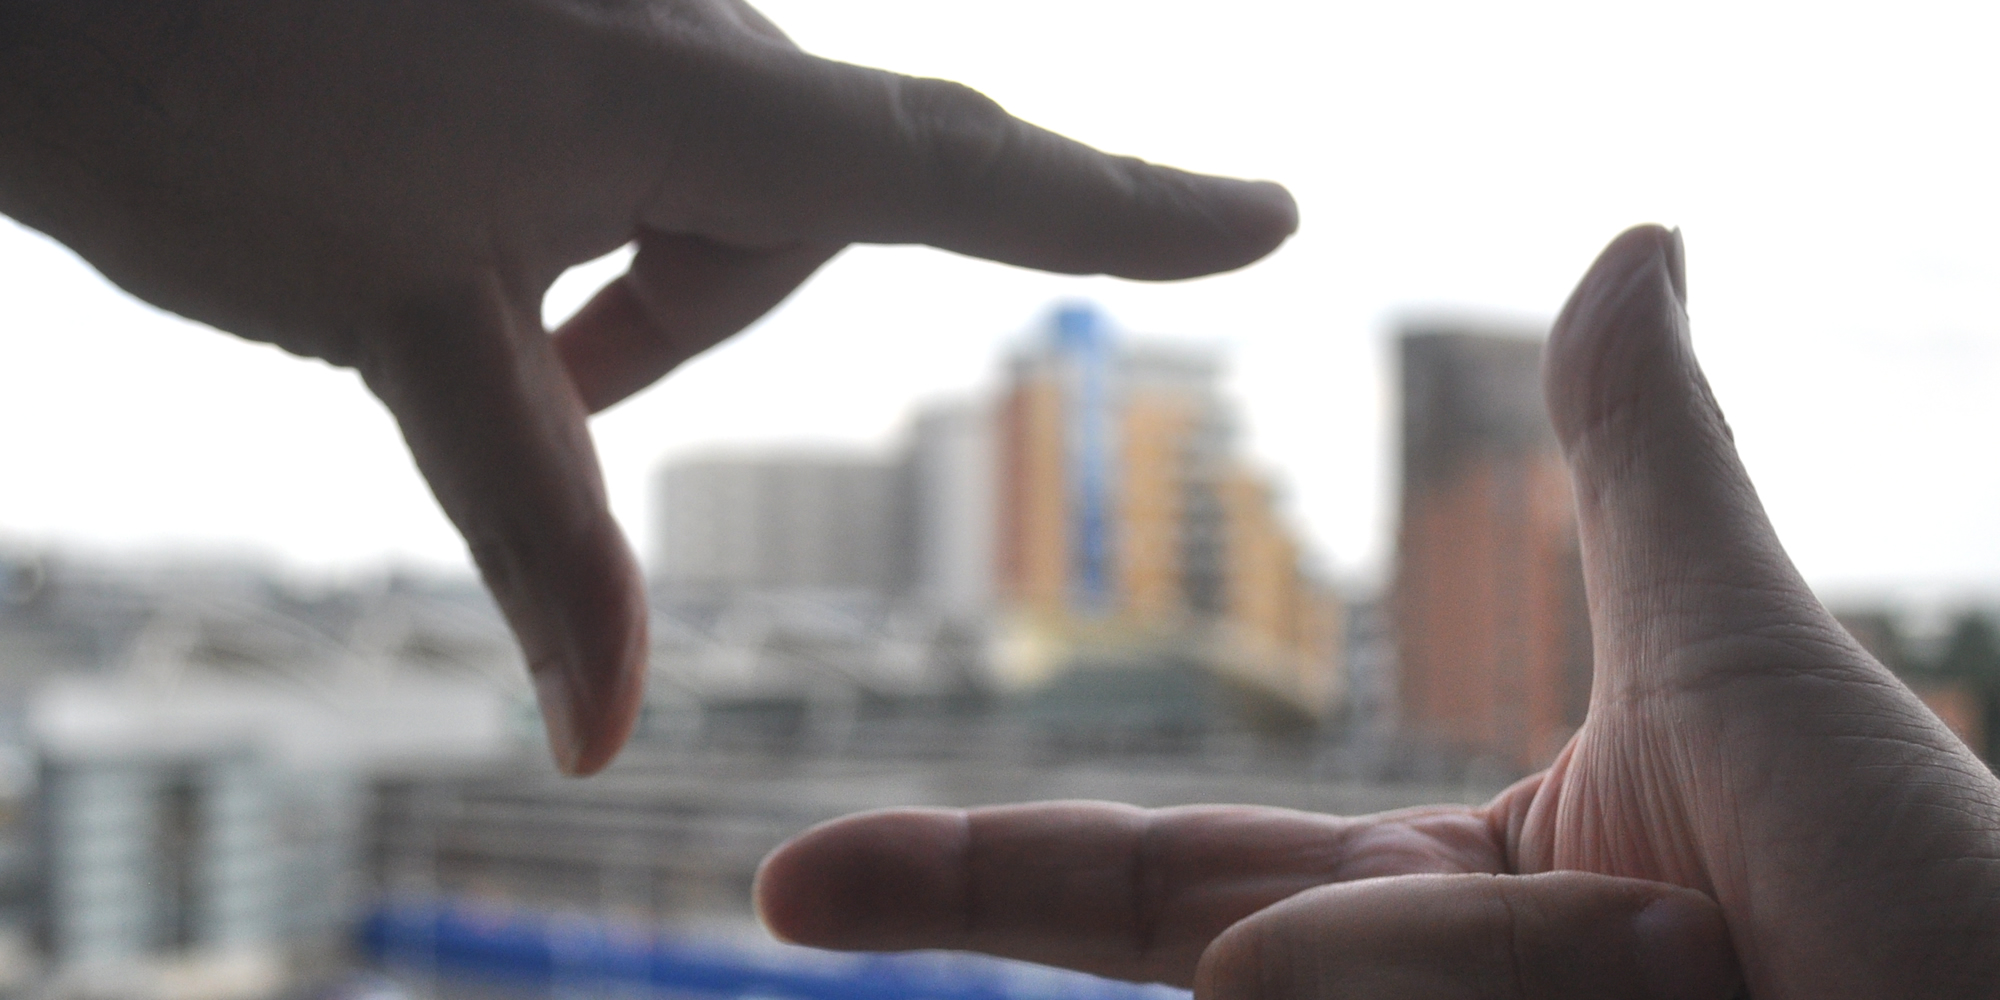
point(1109, 889)
point(829, 152)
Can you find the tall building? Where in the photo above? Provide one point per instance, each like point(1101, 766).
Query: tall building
point(950, 470)
point(1096, 511)
point(1111, 459)
point(195, 828)
point(1493, 635)
point(1128, 521)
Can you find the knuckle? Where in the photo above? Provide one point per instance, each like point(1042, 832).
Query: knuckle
point(1511, 941)
point(1562, 934)
point(957, 134)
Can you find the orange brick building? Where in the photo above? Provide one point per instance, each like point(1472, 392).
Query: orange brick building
point(1128, 523)
point(1493, 635)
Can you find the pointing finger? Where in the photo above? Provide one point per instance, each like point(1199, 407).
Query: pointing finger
point(1558, 936)
point(836, 153)
point(499, 434)
point(1109, 889)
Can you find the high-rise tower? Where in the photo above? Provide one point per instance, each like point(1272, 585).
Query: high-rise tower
point(1096, 513)
point(1492, 633)
point(1128, 520)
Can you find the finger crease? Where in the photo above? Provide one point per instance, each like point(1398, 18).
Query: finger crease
point(968, 892)
point(1516, 967)
point(1148, 898)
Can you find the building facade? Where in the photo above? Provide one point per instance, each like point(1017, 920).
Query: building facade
point(1493, 635)
point(1128, 521)
point(781, 520)
point(1095, 510)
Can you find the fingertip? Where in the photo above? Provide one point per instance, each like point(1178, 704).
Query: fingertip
point(587, 647)
point(1270, 215)
point(1625, 318)
point(883, 880)
point(587, 741)
point(1193, 225)
point(798, 884)
point(774, 896)
point(1266, 212)
point(1284, 208)
point(939, 163)
point(1234, 965)
point(1644, 255)
point(1684, 948)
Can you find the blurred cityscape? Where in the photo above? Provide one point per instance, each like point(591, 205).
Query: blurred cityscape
point(218, 784)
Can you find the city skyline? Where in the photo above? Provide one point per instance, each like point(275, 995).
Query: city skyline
point(1817, 161)
point(1937, 593)
point(1092, 510)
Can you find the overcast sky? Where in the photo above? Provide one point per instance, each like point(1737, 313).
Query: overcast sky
point(1833, 168)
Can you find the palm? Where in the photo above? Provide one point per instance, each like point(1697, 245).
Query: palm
point(1738, 743)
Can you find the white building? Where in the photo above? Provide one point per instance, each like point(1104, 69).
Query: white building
point(952, 475)
point(779, 520)
point(201, 799)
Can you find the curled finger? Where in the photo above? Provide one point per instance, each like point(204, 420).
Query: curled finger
point(1556, 936)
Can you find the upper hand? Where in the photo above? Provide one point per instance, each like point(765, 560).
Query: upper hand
point(394, 186)
point(1751, 795)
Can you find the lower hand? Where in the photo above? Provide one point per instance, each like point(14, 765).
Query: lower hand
point(1752, 799)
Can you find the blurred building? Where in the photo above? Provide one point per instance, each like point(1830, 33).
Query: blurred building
point(1493, 634)
point(1130, 522)
point(779, 520)
point(952, 475)
point(781, 608)
point(1959, 679)
point(1097, 516)
point(204, 744)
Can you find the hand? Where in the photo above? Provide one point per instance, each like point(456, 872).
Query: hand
point(394, 186)
point(1743, 763)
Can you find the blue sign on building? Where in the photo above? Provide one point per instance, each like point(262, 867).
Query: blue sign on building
point(538, 951)
point(1085, 342)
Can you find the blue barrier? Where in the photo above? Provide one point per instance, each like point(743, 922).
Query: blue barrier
point(537, 949)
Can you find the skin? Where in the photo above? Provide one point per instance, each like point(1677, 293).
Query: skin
point(392, 185)
point(1751, 801)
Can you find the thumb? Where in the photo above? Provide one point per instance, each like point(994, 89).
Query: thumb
point(1737, 736)
point(499, 432)
point(1557, 936)
point(1677, 548)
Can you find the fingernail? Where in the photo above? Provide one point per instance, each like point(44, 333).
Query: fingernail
point(1677, 266)
point(552, 693)
point(1684, 951)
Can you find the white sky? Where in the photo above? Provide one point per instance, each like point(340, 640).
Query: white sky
point(1833, 167)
